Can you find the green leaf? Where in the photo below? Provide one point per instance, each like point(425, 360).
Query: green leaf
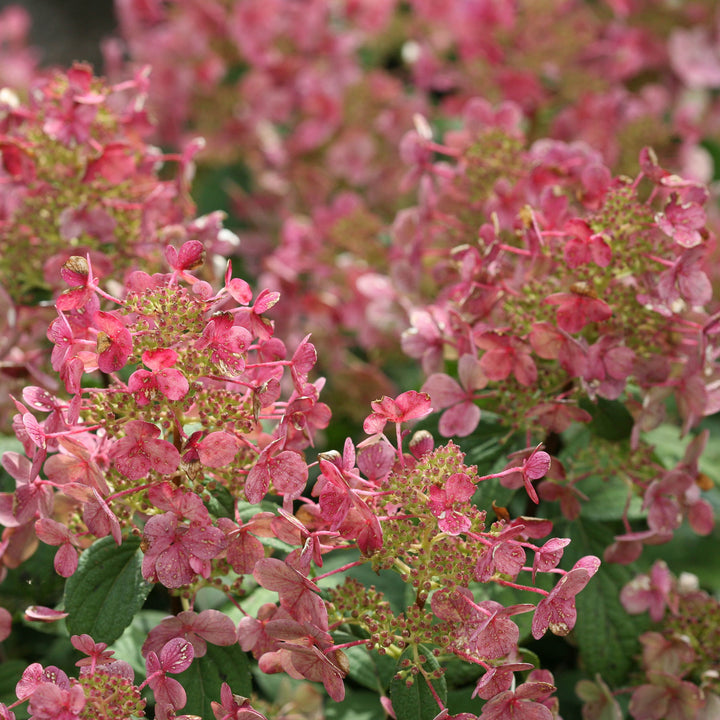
point(128, 646)
point(713, 147)
point(357, 705)
point(606, 636)
point(34, 582)
point(203, 679)
point(10, 673)
point(459, 673)
point(387, 582)
point(460, 700)
point(367, 668)
point(106, 590)
point(247, 511)
point(610, 418)
point(608, 499)
point(417, 702)
point(221, 503)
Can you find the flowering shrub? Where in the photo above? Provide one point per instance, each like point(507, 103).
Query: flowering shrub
point(79, 178)
point(307, 144)
point(168, 470)
point(198, 524)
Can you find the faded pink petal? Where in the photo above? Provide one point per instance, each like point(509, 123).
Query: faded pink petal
point(410, 405)
point(517, 705)
point(537, 465)
point(549, 555)
point(576, 309)
point(176, 655)
point(218, 449)
point(190, 256)
point(66, 560)
point(39, 613)
point(298, 595)
point(444, 391)
point(142, 450)
point(557, 611)
point(243, 552)
point(114, 343)
point(701, 517)
point(459, 420)
point(51, 702)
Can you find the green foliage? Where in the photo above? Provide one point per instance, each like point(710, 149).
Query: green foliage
point(606, 636)
point(611, 420)
point(203, 679)
point(416, 701)
point(35, 582)
point(107, 589)
point(221, 502)
point(367, 667)
point(713, 147)
point(10, 672)
point(607, 499)
point(215, 184)
point(357, 705)
point(129, 645)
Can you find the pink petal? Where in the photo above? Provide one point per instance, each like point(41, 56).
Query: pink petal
point(537, 465)
point(444, 391)
point(289, 473)
point(176, 655)
point(66, 560)
point(459, 420)
point(52, 532)
point(218, 449)
point(215, 627)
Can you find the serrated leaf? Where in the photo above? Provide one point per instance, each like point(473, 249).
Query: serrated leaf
point(203, 679)
point(606, 636)
point(106, 590)
point(417, 701)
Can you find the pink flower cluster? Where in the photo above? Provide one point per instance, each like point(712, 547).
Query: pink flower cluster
point(147, 452)
point(679, 654)
point(553, 285)
point(77, 178)
point(315, 104)
point(106, 688)
point(543, 267)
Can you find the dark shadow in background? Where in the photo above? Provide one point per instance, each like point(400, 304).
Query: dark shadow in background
point(69, 30)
